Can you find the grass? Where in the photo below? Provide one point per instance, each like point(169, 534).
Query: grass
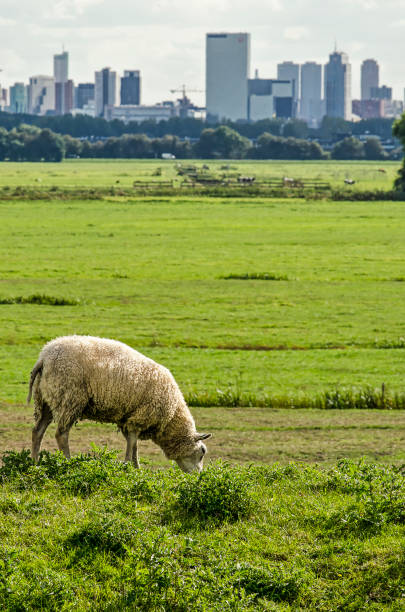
point(235, 538)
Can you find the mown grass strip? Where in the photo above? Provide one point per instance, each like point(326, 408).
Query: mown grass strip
point(40, 299)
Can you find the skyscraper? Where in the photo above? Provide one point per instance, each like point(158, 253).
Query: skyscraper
point(61, 67)
point(369, 78)
point(227, 73)
point(63, 86)
point(288, 71)
point(18, 98)
point(338, 84)
point(84, 93)
point(311, 93)
point(105, 90)
point(131, 87)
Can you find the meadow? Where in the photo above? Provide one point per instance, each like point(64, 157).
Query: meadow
point(283, 322)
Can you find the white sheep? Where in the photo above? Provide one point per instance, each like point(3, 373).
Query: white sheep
point(83, 377)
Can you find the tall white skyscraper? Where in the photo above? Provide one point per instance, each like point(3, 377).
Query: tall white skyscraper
point(105, 90)
point(370, 78)
point(289, 71)
point(227, 73)
point(311, 93)
point(63, 87)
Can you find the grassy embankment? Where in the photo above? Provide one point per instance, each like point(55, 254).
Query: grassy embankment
point(96, 534)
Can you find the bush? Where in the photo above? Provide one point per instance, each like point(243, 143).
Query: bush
point(219, 493)
point(274, 583)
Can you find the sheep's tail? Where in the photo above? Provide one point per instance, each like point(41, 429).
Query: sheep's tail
point(36, 369)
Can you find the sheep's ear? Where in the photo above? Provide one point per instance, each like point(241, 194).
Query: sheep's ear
point(202, 436)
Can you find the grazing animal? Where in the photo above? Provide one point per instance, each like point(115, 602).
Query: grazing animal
point(246, 179)
point(382, 170)
point(350, 182)
point(83, 377)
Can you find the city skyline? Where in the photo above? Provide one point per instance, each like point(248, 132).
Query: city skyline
point(98, 33)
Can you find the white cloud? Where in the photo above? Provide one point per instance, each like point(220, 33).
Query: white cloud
point(296, 32)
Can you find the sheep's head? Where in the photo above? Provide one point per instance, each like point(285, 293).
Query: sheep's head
point(194, 459)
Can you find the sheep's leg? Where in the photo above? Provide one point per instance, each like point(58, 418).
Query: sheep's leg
point(62, 438)
point(132, 448)
point(39, 430)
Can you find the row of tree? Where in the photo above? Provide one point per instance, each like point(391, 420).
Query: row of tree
point(30, 143)
point(82, 126)
point(399, 132)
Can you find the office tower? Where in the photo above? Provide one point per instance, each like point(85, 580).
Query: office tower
point(269, 98)
point(41, 95)
point(105, 90)
point(18, 98)
point(288, 71)
point(63, 86)
point(369, 78)
point(381, 93)
point(311, 93)
point(227, 73)
point(338, 83)
point(84, 93)
point(61, 67)
point(131, 87)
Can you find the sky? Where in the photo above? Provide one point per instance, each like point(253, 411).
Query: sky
point(165, 39)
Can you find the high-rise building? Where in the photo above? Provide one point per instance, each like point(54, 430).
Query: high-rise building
point(64, 88)
point(227, 73)
point(41, 95)
point(381, 93)
point(84, 93)
point(18, 98)
point(369, 78)
point(338, 85)
point(269, 98)
point(61, 67)
point(289, 71)
point(311, 106)
point(105, 90)
point(131, 87)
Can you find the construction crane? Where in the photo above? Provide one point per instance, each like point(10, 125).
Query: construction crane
point(183, 90)
point(185, 102)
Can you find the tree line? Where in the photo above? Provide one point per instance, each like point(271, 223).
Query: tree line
point(84, 126)
point(31, 143)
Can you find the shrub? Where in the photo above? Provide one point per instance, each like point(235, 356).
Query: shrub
point(107, 534)
point(276, 583)
point(219, 493)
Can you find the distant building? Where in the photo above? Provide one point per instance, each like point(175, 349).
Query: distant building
point(392, 108)
point(338, 84)
point(41, 95)
point(227, 73)
point(84, 94)
point(381, 93)
point(18, 98)
point(269, 98)
point(368, 109)
point(370, 75)
point(289, 71)
point(64, 89)
point(311, 107)
point(105, 90)
point(61, 67)
point(131, 87)
point(128, 112)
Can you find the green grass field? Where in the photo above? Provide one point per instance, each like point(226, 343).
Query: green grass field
point(122, 172)
point(316, 308)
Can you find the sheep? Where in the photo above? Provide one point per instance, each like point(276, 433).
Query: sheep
point(84, 377)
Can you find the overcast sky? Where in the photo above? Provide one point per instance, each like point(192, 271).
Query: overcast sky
point(165, 39)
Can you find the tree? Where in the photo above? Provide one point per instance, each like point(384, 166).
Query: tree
point(374, 150)
point(399, 132)
point(222, 142)
point(348, 148)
